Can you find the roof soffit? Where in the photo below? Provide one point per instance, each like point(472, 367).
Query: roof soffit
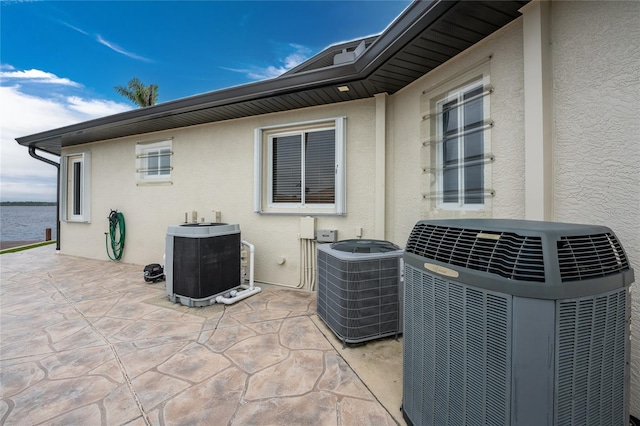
point(391, 61)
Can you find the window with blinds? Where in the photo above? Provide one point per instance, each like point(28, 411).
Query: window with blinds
point(304, 168)
point(299, 168)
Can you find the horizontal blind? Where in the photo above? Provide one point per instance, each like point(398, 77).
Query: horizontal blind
point(320, 175)
point(287, 173)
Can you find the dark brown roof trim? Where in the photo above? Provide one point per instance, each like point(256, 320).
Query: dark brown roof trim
point(312, 86)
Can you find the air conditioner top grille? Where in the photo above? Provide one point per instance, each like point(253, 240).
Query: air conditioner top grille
point(506, 254)
point(589, 256)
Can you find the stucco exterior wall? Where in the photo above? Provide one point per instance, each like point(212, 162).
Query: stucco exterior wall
point(596, 155)
point(213, 170)
point(596, 69)
point(408, 183)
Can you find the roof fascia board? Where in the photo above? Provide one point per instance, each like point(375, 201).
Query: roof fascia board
point(339, 74)
point(414, 20)
point(251, 91)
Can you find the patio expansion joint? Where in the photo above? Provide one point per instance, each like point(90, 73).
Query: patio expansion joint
point(145, 417)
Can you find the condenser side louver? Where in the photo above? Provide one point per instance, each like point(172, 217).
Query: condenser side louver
point(508, 322)
point(359, 289)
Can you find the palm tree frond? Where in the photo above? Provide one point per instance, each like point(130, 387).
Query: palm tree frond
point(138, 93)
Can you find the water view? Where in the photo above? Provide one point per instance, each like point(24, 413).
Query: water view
point(26, 223)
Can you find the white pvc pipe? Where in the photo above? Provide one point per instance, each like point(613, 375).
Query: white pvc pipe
point(248, 291)
point(243, 294)
point(251, 252)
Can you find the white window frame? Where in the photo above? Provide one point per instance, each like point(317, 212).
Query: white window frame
point(263, 164)
point(145, 173)
point(457, 94)
point(75, 190)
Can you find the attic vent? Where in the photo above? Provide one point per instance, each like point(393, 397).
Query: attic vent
point(349, 56)
point(505, 254)
point(590, 256)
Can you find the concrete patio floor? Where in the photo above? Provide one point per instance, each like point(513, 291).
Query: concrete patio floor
point(88, 342)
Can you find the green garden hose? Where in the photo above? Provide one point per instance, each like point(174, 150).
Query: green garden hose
point(116, 235)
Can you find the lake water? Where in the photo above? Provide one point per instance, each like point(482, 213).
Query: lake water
point(27, 223)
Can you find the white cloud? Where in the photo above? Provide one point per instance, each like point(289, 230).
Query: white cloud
point(81, 31)
point(120, 50)
point(36, 76)
point(23, 178)
point(95, 107)
point(104, 42)
point(290, 61)
point(294, 59)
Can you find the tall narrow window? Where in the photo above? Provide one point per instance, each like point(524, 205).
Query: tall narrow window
point(300, 168)
point(75, 187)
point(461, 149)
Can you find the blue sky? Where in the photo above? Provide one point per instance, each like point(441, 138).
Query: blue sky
point(59, 61)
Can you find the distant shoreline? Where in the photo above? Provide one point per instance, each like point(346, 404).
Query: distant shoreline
point(27, 203)
point(11, 244)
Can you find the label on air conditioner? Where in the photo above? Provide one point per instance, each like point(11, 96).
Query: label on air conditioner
point(488, 236)
point(441, 270)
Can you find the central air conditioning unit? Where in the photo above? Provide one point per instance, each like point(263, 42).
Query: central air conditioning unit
point(359, 289)
point(202, 261)
point(515, 323)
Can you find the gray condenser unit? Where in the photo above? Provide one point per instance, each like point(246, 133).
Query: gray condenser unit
point(359, 292)
point(202, 261)
point(512, 322)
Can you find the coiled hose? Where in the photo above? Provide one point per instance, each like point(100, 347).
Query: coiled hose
point(116, 235)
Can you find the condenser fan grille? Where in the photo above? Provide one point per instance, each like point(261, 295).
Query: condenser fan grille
point(505, 254)
point(590, 256)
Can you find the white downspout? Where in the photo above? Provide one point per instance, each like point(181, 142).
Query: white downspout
point(237, 295)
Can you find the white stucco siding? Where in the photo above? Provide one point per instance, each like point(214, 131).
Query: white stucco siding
point(213, 170)
point(595, 58)
point(596, 63)
point(408, 157)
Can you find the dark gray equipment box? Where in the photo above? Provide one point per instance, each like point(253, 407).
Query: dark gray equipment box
point(359, 289)
point(202, 261)
point(515, 322)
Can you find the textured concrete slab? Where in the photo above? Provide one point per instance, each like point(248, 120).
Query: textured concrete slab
point(90, 343)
